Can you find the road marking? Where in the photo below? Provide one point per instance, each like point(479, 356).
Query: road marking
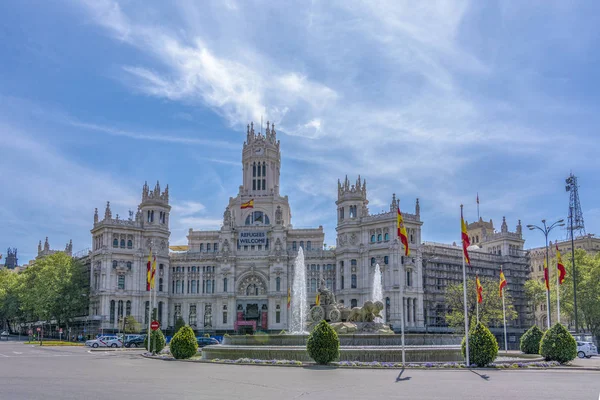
point(3, 355)
point(17, 352)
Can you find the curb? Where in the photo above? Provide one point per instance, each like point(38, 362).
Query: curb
point(114, 349)
point(334, 367)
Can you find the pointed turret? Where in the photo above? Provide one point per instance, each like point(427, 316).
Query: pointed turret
point(394, 203)
point(107, 211)
point(504, 227)
point(46, 245)
point(418, 209)
point(95, 216)
point(39, 247)
point(519, 229)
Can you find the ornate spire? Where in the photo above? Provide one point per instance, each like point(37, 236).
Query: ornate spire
point(107, 212)
point(519, 228)
point(504, 225)
point(394, 203)
point(418, 209)
point(39, 247)
point(95, 216)
point(46, 245)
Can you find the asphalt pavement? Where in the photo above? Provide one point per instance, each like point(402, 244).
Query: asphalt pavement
point(32, 372)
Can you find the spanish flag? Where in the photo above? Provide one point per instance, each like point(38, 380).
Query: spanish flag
point(546, 275)
point(479, 289)
point(502, 281)
point(402, 233)
point(465, 237)
point(289, 298)
point(248, 204)
point(153, 275)
point(318, 300)
point(561, 267)
point(149, 270)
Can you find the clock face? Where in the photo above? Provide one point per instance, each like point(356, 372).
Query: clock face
point(258, 151)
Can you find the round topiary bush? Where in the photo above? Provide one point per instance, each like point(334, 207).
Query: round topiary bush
point(323, 344)
point(530, 341)
point(483, 346)
point(558, 345)
point(157, 341)
point(184, 344)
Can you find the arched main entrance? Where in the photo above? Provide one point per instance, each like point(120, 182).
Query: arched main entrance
point(251, 304)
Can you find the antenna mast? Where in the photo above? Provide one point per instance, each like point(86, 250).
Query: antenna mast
point(575, 213)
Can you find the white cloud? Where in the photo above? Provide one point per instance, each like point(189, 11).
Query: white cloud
point(186, 208)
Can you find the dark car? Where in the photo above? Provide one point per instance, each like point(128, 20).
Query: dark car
point(205, 341)
point(135, 342)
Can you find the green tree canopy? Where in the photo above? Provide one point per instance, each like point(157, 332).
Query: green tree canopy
point(490, 310)
point(10, 305)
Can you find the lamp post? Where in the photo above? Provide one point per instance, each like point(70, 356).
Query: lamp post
point(546, 230)
point(573, 266)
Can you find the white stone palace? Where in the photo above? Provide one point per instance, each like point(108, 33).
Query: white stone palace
point(237, 278)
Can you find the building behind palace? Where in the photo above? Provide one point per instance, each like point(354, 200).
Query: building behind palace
point(236, 278)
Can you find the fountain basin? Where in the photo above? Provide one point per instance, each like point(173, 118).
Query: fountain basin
point(449, 353)
point(347, 340)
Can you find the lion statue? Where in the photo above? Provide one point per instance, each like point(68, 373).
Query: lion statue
point(367, 313)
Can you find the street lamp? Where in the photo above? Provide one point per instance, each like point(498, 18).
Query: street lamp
point(546, 230)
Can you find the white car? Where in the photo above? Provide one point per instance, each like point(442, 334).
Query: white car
point(586, 349)
point(104, 341)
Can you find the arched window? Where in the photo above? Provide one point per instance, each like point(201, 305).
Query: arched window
point(123, 243)
point(128, 264)
point(116, 242)
point(408, 277)
point(130, 244)
point(353, 303)
point(257, 218)
point(353, 281)
point(372, 238)
point(373, 261)
point(224, 284)
point(379, 237)
point(120, 309)
point(128, 308)
point(386, 237)
point(112, 311)
point(277, 284)
point(386, 260)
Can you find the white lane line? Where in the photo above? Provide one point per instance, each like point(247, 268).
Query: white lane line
point(4, 355)
point(17, 352)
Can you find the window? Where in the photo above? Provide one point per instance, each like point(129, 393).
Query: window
point(342, 282)
point(216, 247)
point(178, 287)
point(114, 263)
point(341, 213)
point(160, 311)
point(209, 286)
point(128, 264)
point(302, 244)
point(192, 316)
point(386, 237)
point(207, 246)
point(372, 238)
point(193, 286)
point(257, 218)
point(120, 309)
point(278, 284)
point(224, 314)
point(409, 278)
point(387, 308)
point(123, 243)
point(439, 284)
point(160, 284)
point(128, 308)
point(386, 260)
point(353, 303)
point(329, 283)
point(112, 311)
point(121, 282)
point(308, 245)
point(373, 261)
point(224, 284)
point(313, 285)
point(353, 263)
point(379, 237)
point(412, 237)
point(116, 243)
point(353, 281)
point(294, 245)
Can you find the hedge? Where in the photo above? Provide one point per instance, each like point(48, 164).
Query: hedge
point(184, 344)
point(530, 341)
point(558, 345)
point(483, 346)
point(323, 344)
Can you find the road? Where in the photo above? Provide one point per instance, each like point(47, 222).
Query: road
point(32, 372)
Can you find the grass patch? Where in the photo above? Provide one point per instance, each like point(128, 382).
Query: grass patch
point(54, 343)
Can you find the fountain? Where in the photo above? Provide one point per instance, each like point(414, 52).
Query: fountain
point(377, 294)
point(298, 301)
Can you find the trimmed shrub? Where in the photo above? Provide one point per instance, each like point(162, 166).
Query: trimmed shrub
point(558, 345)
point(157, 341)
point(530, 341)
point(323, 344)
point(483, 346)
point(184, 344)
point(179, 323)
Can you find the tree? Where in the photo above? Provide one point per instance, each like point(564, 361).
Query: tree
point(10, 306)
point(490, 310)
point(131, 325)
point(179, 323)
point(588, 289)
point(323, 344)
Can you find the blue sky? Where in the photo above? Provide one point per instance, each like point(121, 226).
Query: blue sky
point(435, 100)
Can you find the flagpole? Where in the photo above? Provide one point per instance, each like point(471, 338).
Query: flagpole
point(154, 305)
point(465, 297)
point(504, 317)
point(402, 302)
point(149, 301)
point(478, 207)
point(557, 297)
point(477, 299)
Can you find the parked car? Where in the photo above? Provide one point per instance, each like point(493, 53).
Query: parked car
point(135, 341)
point(104, 341)
point(4, 335)
point(586, 349)
point(205, 341)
